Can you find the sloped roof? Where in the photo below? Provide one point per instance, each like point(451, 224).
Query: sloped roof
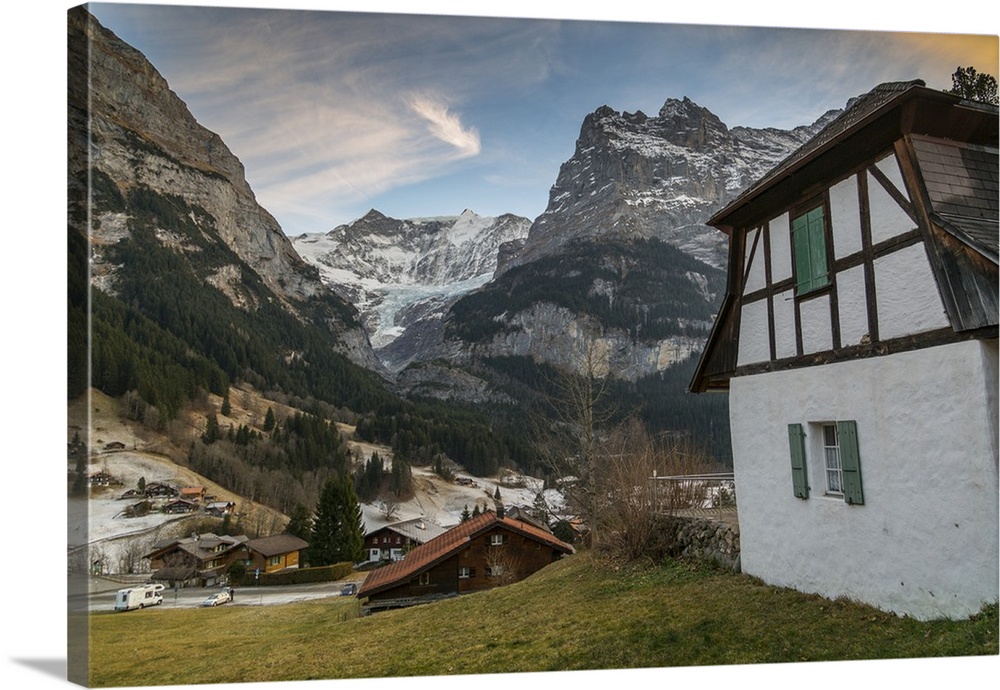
point(419, 530)
point(451, 542)
point(199, 546)
point(276, 544)
point(961, 182)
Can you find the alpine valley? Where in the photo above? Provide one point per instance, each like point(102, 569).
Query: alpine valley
point(436, 336)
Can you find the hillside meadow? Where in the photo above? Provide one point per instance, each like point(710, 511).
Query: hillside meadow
point(577, 614)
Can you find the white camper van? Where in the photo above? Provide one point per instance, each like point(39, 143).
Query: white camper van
point(138, 597)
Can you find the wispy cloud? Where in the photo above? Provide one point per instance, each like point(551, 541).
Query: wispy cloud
point(445, 125)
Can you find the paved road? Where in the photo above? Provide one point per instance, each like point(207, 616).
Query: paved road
point(102, 595)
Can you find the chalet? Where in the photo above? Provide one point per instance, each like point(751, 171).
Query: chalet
point(102, 478)
point(130, 494)
point(481, 553)
point(159, 490)
point(857, 341)
point(198, 560)
point(192, 493)
point(220, 508)
point(392, 542)
point(180, 505)
point(114, 445)
point(274, 553)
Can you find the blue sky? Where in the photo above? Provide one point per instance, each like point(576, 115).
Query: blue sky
point(333, 112)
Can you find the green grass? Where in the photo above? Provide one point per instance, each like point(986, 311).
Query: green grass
point(577, 614)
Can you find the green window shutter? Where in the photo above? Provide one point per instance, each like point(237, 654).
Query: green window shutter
point(797, 448)
point(817, 248)
point(809, 246)
point(800, 245)
point(850, 460)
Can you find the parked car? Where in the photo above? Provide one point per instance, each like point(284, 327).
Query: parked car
point(349, 590)
point(218, 598)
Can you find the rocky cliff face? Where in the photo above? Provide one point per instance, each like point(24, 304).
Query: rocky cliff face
point(656, 177)
point(632, 180)
point(126, 124)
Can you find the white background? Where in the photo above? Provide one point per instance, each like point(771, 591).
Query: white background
point(34, 356)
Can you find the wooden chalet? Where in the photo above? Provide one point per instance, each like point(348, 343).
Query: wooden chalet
point(274, 553)
point(192, 493)
point(198, 560)
point(481, 553)
point(857, 341)
point(392, 542)
point(102, 478)
point(180, 505)
point(159, 490)
point(220, 508)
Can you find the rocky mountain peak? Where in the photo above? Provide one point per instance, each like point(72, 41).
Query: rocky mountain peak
point(660, 177)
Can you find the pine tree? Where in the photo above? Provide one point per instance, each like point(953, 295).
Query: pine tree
point(466, 515)
point(269, 421)
point(337, 532)
point(212, 433)
point(968, 83)
point(226, 407)
point(475, 510)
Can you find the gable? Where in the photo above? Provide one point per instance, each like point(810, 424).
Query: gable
point(899, 251)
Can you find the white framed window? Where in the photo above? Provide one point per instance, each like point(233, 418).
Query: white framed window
point(424, 579)
point(496, 539)
point(831, 455)
point(832, 467)
point(495, 570)
point(464, 572)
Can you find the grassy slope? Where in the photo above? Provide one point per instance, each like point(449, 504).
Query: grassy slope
point(574, 615)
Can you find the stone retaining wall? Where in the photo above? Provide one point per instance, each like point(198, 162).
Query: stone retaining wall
point(686, 537)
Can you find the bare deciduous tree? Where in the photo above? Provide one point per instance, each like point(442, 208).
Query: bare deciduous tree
point(572, 445)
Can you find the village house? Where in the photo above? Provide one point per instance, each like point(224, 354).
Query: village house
point(102, 478)
point(274, 553)
point(220, 508)
point(198, 560)
point(192, 493)
point(481, 553)
point(159, 490)
point(180, 505)
point(857, 341)
point(392, 542)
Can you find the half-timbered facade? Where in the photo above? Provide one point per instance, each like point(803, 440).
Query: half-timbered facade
point(858, 343)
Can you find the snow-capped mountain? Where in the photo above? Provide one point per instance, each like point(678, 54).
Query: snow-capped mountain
point(397, 272)
point(656, 177)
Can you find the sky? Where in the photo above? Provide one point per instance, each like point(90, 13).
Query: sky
point(336, 112)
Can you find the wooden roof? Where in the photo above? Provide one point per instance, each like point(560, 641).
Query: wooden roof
point(276, 545)
point(870, 123)
point(451, 542)
point(419, 530)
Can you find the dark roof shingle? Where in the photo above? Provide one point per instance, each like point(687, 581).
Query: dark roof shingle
point(439, 548)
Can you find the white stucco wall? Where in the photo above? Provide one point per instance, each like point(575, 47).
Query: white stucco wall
point(888, 219)
point(925, 542)
point(906, 294)
point(852, 304)
point(754, 339)
point(756, 275)
point(845, 216)
point(781, 248)
point(784, 324)
point(817, 331)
